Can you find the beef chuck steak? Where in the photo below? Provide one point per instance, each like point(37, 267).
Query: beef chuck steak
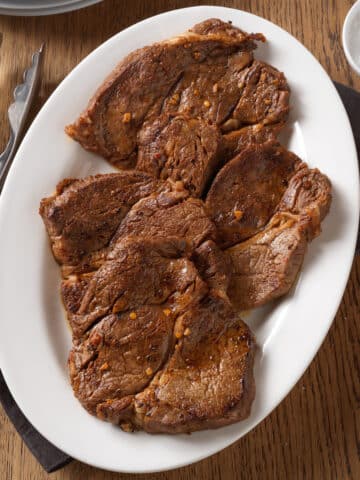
point(137, 271)
point(248, 189)
point(120, 355)
point(168, 214)
point(264, 96)
point(162, 215)
point(167, 353)
point(207, 382)
point(143, 85)
point(83, 215)
point(207, 73)
point(267, 265)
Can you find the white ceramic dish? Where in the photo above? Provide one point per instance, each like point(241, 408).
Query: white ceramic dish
point(35, 340)
point(34, 8)
point(351, 37)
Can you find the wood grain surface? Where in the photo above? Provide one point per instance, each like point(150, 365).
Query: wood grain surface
point(315, 432)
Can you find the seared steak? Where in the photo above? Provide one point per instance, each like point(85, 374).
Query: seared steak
point(208, 381)
point(83, 215)
point(146, 82)
point(159, 216)
point(120, 355)
point(266, 266)
point(248, 189)
point(86, 217)
point(170, 101)
point(213, 389)
point(138, 271)
point(163, 328)
point(168, 214)
point(162, 215)
point(204, 380)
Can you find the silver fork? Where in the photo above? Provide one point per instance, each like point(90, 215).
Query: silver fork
point(18, 111)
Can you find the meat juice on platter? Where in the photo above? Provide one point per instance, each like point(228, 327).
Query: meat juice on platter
point(209, 216)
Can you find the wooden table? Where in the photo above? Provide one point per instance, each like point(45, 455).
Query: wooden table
point(315, 432)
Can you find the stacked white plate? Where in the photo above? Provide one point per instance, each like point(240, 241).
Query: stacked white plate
point(41, 7)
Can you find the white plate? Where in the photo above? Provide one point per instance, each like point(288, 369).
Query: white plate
point(42, 7)
point(34, 339)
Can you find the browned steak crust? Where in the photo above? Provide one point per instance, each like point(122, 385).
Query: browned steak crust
point(248, 189)
point(207, 382)
point(146, 83)
point(168, 214)
point(83, 215)
point(165, 334)
point(266, 266)
point(91, 286)
point(309, 192)
point(180, 148)
point(236, 141)
point(120, 355)
point(214, 266)
point(138, 271)
point(165, 106)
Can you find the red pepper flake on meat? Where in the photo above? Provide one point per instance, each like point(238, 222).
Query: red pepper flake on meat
point(104, 366)
point(238, 214)
point(127, 117)
point(174, 100)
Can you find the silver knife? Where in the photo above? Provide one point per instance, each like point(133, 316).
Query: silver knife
point(18, 111)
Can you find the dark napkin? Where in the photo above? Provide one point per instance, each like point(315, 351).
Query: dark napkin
point(50, 457)
point(351, 101)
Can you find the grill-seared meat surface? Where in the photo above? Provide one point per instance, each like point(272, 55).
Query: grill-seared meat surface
point(167, 109)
